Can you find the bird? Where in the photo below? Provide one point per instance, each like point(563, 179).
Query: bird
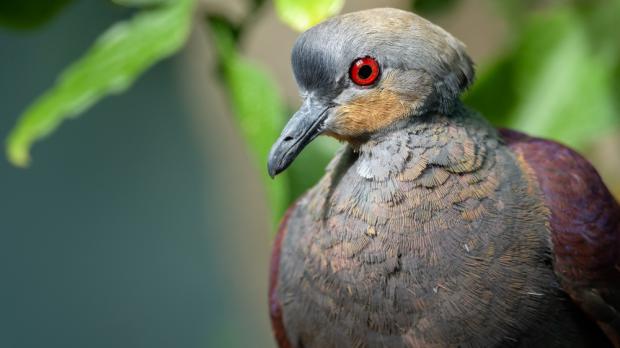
point(431, 227)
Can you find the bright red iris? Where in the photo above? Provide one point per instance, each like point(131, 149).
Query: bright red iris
point(364, 71)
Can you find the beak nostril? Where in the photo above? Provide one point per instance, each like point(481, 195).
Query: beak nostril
point(288, 138)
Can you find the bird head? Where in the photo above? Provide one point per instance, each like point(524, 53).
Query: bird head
point(364, 73)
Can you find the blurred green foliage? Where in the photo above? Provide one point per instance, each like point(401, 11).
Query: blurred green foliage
point(556, 80)
point(26, 14)
point(141, 3)
point(116, 59)
point(557, 77)
point(257, 106)
point(302, 14)
point(431, 6)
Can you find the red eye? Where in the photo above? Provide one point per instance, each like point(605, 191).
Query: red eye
point(364, 71)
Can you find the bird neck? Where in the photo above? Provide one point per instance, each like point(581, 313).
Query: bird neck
point(456, 142)
point(424, 167)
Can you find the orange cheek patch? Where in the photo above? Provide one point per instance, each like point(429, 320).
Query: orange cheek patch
point(369, 113)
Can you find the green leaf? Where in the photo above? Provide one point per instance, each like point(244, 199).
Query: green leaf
point(258, 108)
point(25, 14)
point(302, 14)
point(114, 62)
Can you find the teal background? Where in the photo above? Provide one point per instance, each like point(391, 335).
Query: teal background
point(114, 236)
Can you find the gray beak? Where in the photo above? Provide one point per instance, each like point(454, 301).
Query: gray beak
point(305, 125)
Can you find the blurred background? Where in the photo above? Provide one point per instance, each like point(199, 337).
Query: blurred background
point(148, 221)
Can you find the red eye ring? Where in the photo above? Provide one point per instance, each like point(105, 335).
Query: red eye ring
point(364, 71)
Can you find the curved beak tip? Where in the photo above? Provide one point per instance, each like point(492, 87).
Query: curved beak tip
point(301, 129)
point(272, 170)
point(276, 157)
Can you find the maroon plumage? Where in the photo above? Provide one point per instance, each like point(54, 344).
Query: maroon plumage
point(275, 311)
point(584, 224)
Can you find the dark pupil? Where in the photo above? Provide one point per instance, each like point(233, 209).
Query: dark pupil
point(365, 72)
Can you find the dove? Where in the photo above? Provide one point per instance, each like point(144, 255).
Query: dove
point(430, 227)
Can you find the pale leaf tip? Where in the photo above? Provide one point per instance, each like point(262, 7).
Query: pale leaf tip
point(18, 155)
